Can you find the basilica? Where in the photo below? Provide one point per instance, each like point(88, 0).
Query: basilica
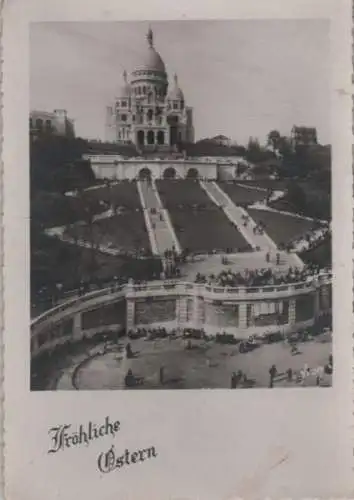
point(148, 111)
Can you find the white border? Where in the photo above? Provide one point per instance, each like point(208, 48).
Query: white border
point(212, 445)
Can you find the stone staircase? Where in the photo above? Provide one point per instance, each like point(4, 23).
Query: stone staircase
point(235, 214)
point(161, 233)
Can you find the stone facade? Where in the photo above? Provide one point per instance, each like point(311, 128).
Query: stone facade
point(55, 123)
point(147, 111)
point(238, 311)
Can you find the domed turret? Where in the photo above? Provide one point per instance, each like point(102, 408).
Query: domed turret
point(125, 89)
point(176, 94)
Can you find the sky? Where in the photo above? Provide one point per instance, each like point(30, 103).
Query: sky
point(243, 78)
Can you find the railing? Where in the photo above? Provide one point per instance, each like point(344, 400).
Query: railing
point(180, 288)
point(74, 302)
point(110, 158)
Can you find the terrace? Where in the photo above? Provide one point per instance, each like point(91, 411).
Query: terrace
point(182, 193)
point(243, 195)
point(120, 194)
point(282, 228)
point(203, 231)
point(125, 231)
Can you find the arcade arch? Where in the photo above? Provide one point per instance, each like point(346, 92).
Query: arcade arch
point(144, 173)
point(192, 173)
point(169, 173)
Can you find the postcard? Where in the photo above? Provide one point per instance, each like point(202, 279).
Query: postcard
point(177, 296)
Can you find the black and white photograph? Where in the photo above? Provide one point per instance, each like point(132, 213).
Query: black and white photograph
point(177, 197)
point(180, 205)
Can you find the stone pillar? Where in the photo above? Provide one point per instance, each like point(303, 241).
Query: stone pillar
point(292, 312)
point(242, 316)
point(317, 309)
point(181, 311)
point(195, 311)
point(77, 327)
point(130, 303)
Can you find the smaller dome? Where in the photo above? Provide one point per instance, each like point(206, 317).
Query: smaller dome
point(175, 93)
point(125, 89)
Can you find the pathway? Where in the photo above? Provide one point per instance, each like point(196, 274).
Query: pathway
point(236, 216)
point(158, 223)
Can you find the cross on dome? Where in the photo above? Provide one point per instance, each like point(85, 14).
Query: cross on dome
point(150, 37)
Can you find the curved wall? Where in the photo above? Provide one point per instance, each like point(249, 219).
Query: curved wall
point(241, 311)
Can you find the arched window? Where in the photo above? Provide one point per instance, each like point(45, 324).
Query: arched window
point(175, 105)
point(39, 123)
point(124, 118)
point(144, 90)
point(150, 137)
point(160, 137)
point(48, 125)
point(141, 137)
point(150, 114)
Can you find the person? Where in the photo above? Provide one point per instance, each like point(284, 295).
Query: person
point(129, 379)
point(289, 374)
point(233, 380)
point(128, 351)
point(161, 375)
point(294, 349)
point(272, 374)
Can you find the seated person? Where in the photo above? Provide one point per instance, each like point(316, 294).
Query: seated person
point(129, 379)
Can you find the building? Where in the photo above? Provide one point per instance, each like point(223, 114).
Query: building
point(149, 112)
point(55, 123)
point(303, 136)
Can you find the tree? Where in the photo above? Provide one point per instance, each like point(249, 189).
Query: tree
point(253, 153)
point(296, 196)
point(273, 139)
point(285, 147)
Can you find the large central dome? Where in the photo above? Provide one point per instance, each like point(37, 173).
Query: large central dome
point(150, 59)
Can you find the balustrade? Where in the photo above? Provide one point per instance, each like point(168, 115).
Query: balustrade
point(194, 296)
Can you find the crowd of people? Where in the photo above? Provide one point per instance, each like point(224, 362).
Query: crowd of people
point(259, 277)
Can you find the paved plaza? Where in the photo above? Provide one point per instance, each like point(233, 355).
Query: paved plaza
point(207, 365)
